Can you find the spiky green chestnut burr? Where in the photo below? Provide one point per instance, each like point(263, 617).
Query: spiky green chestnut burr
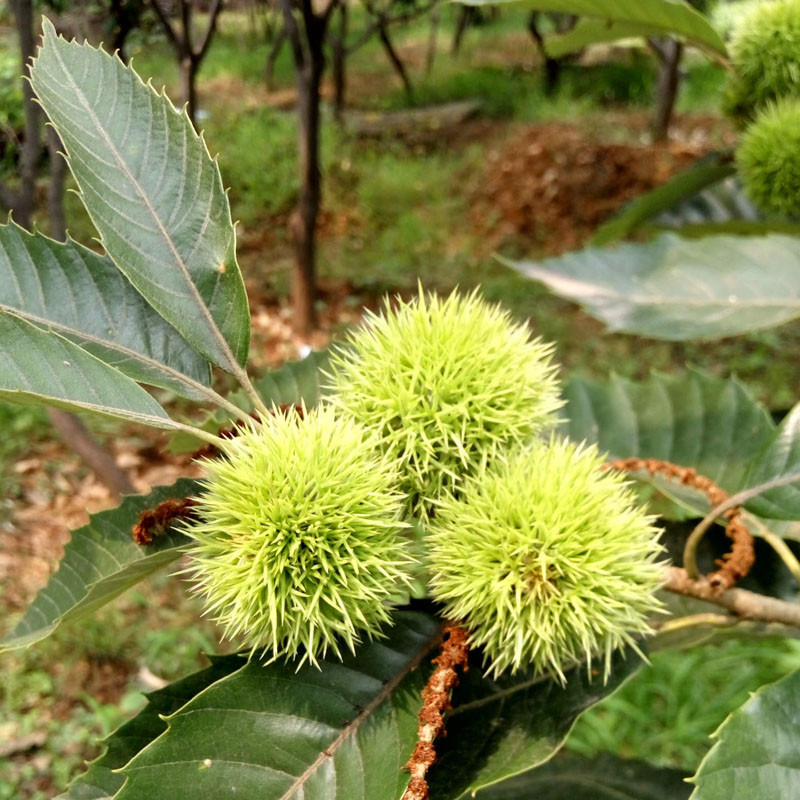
point(765, 51)
point(546, 560)
point(444, 384)
point(768, 159)
point(299, 547)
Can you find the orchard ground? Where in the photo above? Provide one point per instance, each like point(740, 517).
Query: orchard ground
point(427, 197)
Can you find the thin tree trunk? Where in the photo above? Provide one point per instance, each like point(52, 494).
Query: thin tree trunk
point(552, 66)
point(22, 200)
point(433, 36)
point(338, 64)
point(667, 91)
point(272, 57)
point(465, 15)
point(96, 457)
point(55, 190)
point(189, 86)
point(395, 60)
point(304, 219)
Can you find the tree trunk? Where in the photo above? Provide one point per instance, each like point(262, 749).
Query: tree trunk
point(95, 456)
point(399, 67)
point(304, 219)
point(667, 91)
point(55, 190)
point(465, 16)
point(189, 85)
point(552, 66)
point(433, 36)
point(272, 57)
point(22, 201)
point(338, 65)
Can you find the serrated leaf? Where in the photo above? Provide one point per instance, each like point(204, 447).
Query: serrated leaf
point(345, 731)
point(342, 732)
point(153, 192)
point(500, 728)
point(781, 458)
point(662, 17)
point(677, 289)
point(757, 755)
point(100, 781)
point(680, 187)
point(100, 562)
point(84, 297)
point(606, 777)
point(696, 420)
point(40, 367)
point(296, 381)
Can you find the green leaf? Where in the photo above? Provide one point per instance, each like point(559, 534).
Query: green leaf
point(677, 289)
point(662, 17)
point(500, 728)
point(296, 381)
point(343, 731)
point(664, 197)
point(695, 420)
point(85, 298)
point(42, 368)
point(100, 781)
point(153, 192)
point(606, 777)
point(595, 31)
point(757, 753)
point(100, 562)
point(781, 458)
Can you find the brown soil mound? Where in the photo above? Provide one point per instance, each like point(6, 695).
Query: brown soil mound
point(552, 185)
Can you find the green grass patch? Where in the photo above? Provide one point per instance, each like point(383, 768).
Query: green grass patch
point(666, 712)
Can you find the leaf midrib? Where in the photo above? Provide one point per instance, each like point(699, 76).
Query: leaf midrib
point(134, 355)
point(353, 726)
point(227, 352)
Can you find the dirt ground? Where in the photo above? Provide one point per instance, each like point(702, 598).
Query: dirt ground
point(552, 185)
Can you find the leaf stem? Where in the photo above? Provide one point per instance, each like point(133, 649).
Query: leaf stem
point(207, 437)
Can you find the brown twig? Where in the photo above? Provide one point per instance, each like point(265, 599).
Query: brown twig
point(737, 562)
point(436, 701)
point(748, 605)
point(153, 522)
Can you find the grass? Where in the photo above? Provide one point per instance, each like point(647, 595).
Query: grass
point(666, 713)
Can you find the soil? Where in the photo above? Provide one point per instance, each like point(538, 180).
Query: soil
point(550, 186)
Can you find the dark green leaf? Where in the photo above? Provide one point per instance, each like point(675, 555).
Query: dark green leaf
point(663, 198)
point(342, 732)
point(698, 421)
point(296, 381)
point(606, 777)
point(40, 367)
point(153, 192)
point(100, 562)
point(85, 298)
point(677, 289)
point(781, 458)
point(501, 728)
point(662, 17)
point(757, 755)
point(99, 781)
